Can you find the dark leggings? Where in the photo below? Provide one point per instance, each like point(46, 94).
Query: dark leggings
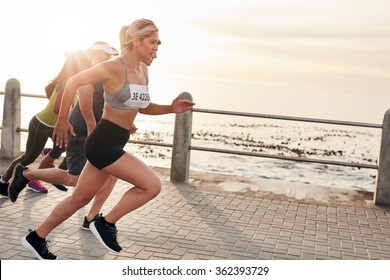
point(38, 133)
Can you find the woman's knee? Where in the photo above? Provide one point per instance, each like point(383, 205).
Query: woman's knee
point(80, 201)
point(154, 188)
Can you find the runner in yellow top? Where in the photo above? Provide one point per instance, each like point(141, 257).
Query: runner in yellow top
point(42, 124)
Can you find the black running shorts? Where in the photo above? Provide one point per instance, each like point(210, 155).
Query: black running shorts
point(105, 144)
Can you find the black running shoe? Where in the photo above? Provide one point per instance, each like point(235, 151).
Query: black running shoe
point(86, 223)
point(105, 233)
point(4, 189)
point(17, 183)
point(60, 187)
point(38, 246)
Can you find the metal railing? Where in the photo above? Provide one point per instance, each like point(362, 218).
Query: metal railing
point(254, 154)
point(181, 145)
point(21, 129)
point(287, 118)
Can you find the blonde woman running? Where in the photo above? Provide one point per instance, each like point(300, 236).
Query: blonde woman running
point(125, 81)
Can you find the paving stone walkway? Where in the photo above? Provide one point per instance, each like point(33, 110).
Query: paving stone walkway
point(201, 221)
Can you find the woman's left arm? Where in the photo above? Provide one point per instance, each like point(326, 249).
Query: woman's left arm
point(178, 106)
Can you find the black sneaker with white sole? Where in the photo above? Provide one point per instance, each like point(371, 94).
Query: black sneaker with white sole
point(60, 187)
point(86, 223)
point(105, 233)
point(4, 189)
point(38, 246)
point(17, 183)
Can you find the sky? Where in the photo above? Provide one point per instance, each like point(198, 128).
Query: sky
point(324, 44)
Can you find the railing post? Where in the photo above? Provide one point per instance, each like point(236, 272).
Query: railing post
point(10, 137)
point(382, 191)
point(180, 164)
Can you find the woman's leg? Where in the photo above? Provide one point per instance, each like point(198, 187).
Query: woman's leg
point(90, 181)
point(48, 160)
point(146, 183)
point(38, 134)
point(101, 197)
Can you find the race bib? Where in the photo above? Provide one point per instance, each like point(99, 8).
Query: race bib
point(139, 96)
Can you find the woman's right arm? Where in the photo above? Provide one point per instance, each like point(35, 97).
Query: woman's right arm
point(86, 106)
point(99, 73)
point(62, 126)
point(75, 63)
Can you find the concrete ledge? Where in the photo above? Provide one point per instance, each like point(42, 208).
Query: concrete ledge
point(279, 189)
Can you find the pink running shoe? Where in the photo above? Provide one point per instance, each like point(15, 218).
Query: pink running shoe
point(37, 186)
point(45, 151)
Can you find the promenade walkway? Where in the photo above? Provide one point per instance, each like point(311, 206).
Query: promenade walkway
point(214, 217)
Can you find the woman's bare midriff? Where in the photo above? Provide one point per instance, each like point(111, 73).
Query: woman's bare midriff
point(122, 118)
